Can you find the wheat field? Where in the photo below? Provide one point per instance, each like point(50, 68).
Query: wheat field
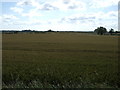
point(59, 60)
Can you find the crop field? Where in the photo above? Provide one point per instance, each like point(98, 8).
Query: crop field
point(59, 60)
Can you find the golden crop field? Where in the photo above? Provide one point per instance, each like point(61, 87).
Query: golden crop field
point(60, 60)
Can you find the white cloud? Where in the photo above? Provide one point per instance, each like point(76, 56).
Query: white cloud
point(8, 19)
point(34, 3)
point(93, 16)
point(48, 6)
point(23, 2)
point(77, 5)
point(11, 17)
point(0, 19)
point(103, 3)
point(93, 19)
point(69, 4)
point(80, 19)
point(17, 9)
point(30, 21)
point(113, 14)
point(9, 0)
point(54, 5)
point(32, 13)
point(59, 4)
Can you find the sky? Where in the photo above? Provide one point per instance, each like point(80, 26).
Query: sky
point(58, 15)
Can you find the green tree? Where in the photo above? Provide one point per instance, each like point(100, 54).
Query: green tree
point(50, 30)
point(100, 30)
point(111, 31)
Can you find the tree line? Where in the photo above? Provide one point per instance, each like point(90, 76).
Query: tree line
point(100, 31)
point(103, 31)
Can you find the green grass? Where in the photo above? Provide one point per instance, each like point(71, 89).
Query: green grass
point(60, 60)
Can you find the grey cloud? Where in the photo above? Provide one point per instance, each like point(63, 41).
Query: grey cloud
point(82, 18)
point(45, 6)
point(66, 1)
point(49, 7)
point(27, 2)
point(78, 19)
point(6, 19)
point(62, 20)
point(113, 15)
point(73, 7)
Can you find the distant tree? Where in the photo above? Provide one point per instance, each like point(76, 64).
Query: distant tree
point(111, 31)
point(100, 30)
point(50, 30)
point(26, 30)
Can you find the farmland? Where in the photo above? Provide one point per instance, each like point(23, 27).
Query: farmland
point(59, 60)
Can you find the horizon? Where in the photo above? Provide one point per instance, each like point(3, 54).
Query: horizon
point(47, 30)
point(60, 15)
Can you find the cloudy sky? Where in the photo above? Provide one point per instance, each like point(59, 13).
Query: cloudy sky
point(58, 15)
